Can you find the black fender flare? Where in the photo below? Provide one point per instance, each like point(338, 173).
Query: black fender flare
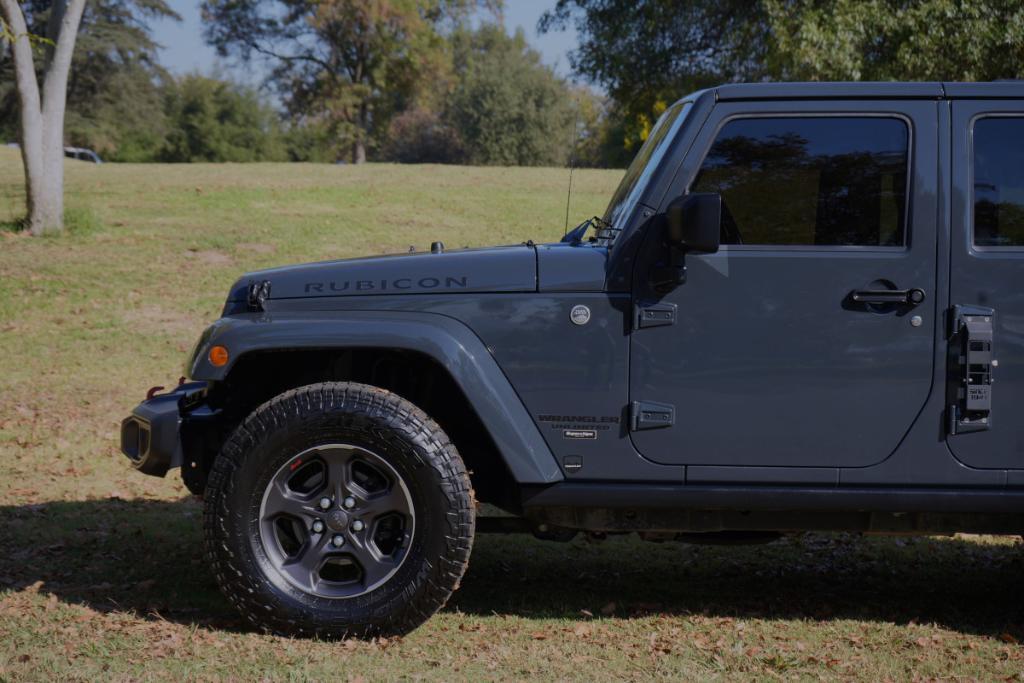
point(447, 341)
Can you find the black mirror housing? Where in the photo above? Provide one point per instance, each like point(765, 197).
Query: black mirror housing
point(694, 222)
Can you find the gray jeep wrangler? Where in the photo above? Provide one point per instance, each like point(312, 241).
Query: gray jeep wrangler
point(788, 318)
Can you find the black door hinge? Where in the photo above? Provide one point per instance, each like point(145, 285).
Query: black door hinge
point(653, 315)
point(651, 415)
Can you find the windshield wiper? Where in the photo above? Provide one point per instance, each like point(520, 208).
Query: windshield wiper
point(606, 232)
point(603, 231)
point(575, 236)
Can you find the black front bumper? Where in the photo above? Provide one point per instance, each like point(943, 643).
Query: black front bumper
point(152, 436)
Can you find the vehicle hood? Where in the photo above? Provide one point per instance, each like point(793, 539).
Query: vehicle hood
point(493, 269)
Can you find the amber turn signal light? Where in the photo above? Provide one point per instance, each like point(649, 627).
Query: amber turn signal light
point(218, 356)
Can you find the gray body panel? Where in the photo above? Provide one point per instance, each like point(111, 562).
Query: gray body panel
point(992, 277)
point(494, 269)
point(550, 363)
point(565, 268)
point(445, 340)
point(766, 364)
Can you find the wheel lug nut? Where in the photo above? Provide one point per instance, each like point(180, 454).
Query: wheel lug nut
point(318, 526)
point(338, 541)
point(325, 503)
point(349, 502)
point(357, 525)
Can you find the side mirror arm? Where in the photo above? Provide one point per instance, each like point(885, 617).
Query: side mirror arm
point(666, 277)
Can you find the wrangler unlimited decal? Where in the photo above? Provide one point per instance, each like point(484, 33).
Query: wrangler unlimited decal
point(602, 419)
point(447, 282)
point(579, 426)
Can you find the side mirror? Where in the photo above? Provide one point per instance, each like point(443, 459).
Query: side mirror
point(694, 222)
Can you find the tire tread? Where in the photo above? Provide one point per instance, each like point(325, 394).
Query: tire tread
point(389, 414)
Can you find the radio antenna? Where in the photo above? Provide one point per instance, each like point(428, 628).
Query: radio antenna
point(572, 163)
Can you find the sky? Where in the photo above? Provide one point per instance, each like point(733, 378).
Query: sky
point(184, 50)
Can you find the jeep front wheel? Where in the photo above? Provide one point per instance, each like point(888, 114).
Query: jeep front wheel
point(337, 510)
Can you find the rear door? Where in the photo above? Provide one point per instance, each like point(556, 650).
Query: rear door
point(783, 351)
point(984, 419)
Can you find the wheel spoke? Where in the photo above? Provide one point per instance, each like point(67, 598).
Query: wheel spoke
point(338, 476)
point(375, 567)
point(304, 568)
point(281, 500)
point(392, 500)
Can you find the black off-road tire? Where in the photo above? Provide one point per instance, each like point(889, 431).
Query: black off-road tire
point(370, 418)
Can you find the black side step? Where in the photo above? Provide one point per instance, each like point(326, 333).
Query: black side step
point(738, 498)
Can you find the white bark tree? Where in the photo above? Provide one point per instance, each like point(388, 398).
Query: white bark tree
point(42, 109)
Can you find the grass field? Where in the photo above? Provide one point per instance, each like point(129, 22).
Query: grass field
point(101, 571)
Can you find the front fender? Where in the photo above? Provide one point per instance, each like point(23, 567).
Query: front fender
point(449, 342)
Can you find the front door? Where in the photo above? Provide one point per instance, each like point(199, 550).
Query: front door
point(804, 341)
point(987, 284)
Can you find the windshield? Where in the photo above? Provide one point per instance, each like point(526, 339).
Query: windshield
point(646, 160)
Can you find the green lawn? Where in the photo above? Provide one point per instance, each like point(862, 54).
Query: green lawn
point(101, 570)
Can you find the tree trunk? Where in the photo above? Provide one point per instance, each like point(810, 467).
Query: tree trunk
point(363, 124)
point(42, 111)
point(47, 213)
point(30, 108)
point(358, 151)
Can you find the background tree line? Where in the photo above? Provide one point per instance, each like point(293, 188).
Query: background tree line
point(441, 81)
point(647, 53)
point(398, 80)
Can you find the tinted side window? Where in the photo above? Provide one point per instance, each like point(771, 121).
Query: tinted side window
point(999, 182)
point(810, 180)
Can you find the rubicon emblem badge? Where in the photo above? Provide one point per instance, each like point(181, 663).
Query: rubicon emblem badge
point(579, 315)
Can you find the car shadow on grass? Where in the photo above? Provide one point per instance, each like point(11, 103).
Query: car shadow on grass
point(145, 557)
point(139, 556)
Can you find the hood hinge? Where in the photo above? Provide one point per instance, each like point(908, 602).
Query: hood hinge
point(653, 315)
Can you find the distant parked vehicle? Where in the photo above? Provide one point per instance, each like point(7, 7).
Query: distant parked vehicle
point(82, 154)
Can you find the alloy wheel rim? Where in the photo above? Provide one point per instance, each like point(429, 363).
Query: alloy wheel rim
point(336, 521)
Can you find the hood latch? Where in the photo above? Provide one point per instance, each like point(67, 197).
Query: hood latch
point(259, 292)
